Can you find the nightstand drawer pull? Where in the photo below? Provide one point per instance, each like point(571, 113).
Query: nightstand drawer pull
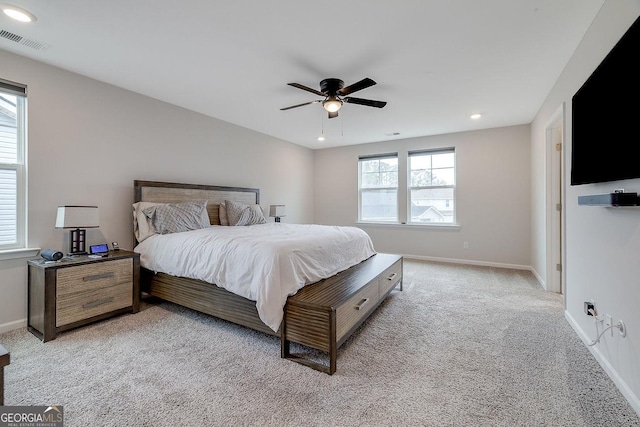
point(98, 276)
point(362, 304)
point(392, 276)
point(97, 303)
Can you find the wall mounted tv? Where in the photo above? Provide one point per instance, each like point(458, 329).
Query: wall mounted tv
point(605, 118)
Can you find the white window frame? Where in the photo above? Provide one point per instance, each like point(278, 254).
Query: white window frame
point(20, 166)
point(410, 188)
point(403, 190)
point(362, 190)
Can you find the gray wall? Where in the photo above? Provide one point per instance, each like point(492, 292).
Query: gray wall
point(88, 141)
point(492, 196)
point(602, 249)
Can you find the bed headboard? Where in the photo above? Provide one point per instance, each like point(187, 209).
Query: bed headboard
point(171, 192)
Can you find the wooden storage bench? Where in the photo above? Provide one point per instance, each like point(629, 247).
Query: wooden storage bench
point(325, 314)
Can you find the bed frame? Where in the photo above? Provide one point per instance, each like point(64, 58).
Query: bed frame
point(303, 309)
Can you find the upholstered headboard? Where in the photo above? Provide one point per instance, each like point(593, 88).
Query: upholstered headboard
point(171, 192)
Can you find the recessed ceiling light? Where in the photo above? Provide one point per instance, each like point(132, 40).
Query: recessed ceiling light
point(18, 13)
point(321, 138)
point(476, 116)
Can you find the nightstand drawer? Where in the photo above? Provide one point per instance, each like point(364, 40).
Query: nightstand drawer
point(95, 276)
point(90, 302)
point(93, 289)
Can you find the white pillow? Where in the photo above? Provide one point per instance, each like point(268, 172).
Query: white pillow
point(222, 214)
point(142, 227)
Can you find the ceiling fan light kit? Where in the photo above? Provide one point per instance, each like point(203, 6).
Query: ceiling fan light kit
point(335, 95)
point(332, 104)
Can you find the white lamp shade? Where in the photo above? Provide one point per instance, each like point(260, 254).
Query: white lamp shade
point(276, 210)
point(77, 217)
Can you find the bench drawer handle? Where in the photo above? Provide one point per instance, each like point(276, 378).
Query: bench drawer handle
point(362, 304)
point(97, 303)
point(97, 276)
point(392, 276)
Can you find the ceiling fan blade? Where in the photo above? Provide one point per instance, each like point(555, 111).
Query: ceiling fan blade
point(367, 102)
point(333, 114)
point(300, 105)
point(308, 89)
point(362, 84)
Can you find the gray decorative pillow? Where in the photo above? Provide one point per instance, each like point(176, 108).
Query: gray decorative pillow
point(178, 217)
point(252, 215)
point(240, 214)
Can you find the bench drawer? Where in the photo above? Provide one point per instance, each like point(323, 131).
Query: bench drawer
point(356, 308)
point(389, 279)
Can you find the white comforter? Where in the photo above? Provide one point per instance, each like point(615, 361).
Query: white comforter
point(265, 263)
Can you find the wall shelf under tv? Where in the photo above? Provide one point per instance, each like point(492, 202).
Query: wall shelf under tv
point(610, 199)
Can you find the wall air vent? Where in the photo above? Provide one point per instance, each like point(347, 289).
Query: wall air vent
point(33, 44)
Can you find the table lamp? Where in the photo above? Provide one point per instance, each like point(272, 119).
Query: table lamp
point(77, 218)
point(276, 211)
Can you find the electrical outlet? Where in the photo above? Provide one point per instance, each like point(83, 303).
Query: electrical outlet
point(589, 305)
point(465, 245)
point(608, 321)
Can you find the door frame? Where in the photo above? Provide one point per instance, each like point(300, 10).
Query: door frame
point(554, 191)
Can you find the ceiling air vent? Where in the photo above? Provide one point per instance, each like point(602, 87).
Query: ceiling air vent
point(33, 44)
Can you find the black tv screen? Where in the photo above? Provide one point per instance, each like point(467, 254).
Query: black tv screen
point(605, 122)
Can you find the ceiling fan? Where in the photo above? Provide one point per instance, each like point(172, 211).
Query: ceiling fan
point(335, 94)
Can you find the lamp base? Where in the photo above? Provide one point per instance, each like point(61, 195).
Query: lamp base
point(77, 242)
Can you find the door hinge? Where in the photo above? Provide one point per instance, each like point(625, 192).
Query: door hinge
point(558, 267)
point(559, 207)
point(559, 146)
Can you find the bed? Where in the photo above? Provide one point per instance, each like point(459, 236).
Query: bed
point(308, 322)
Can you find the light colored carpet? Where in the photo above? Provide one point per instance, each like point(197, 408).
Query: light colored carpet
point(460, 346)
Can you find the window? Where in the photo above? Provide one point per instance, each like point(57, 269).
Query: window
point(432, 186)
point(427, 183)
point(12, 164)
point(378, 188)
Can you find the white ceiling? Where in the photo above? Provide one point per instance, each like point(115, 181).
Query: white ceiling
point(435, 61)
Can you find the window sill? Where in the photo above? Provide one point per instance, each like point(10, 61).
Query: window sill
point(448, 227)
point(18, 253)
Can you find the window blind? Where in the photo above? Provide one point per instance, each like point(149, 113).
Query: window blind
point(12, 134)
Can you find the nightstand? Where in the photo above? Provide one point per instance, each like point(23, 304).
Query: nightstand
point(5, 359)
point(74, 292)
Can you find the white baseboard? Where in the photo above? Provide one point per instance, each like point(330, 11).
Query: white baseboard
point(628, 394)
point(17, 324)
point(469, 262)
point(540, 279)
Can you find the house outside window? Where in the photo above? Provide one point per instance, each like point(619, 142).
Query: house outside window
point(378, 188)
point(431, 189)
point(12, 165)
